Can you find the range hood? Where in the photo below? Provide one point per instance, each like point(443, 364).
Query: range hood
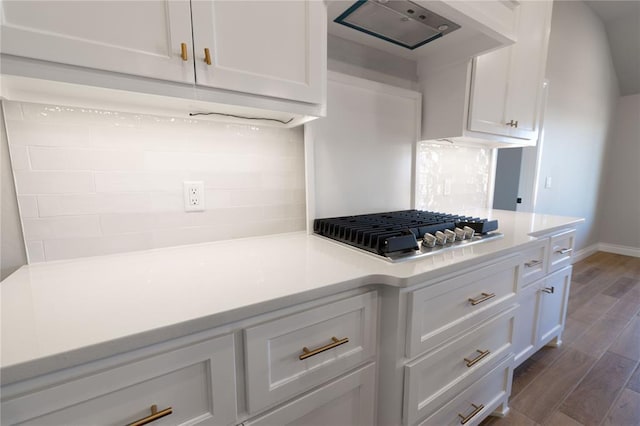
point(403, 23)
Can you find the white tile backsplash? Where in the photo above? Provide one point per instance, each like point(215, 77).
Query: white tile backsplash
point(451, 178)
point(93, 182)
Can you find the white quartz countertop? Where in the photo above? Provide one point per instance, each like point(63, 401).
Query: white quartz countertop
point(58, 314)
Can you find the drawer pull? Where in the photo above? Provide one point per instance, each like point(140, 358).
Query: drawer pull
point(564, 251)
point(533, 263)
point(183, 51)
point(549, 290)
point(155, 415)
point(482, 354)
point(306, 352)
point(207, 56)
point(476, 410)
point(482, 298)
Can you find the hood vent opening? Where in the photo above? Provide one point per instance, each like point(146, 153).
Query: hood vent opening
point(397, 21)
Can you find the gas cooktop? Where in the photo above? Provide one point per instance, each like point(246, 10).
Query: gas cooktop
point(407, 234)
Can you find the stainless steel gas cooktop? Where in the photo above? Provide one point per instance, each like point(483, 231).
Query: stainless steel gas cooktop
point(407, 234)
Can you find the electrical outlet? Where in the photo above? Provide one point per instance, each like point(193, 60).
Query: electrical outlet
point(194, 196)
point(547, 182)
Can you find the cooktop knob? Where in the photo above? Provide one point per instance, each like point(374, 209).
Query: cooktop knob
point(460, 234)
point(469, 232)
point(428, 240)
point(441, 238)
point(451, 236)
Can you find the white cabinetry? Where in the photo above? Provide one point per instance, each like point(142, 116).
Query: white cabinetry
point(133, 37)
point(497, 100)
point(191, 385)
point(507, 83)
point(265, 53)
point(270, 48)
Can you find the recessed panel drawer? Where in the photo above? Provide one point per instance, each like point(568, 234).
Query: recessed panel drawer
point(534, 263)
point(428, 378)
point(196, 384)
point(478, 401)
point(440, 312)
point(292, 354)
point(561, 250)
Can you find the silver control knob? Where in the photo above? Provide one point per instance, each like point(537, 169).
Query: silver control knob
point(451, 236)
point(428, 240)
point(460, 234)
point(469, 232)
point(441, 238)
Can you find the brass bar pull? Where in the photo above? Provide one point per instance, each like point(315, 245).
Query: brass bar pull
point(564, 251)
point(183, 51)
point(482, 298)
point(476, 410)
point(155, 415)
point(472, 362)
point(207, 56)
point(532, 263)
point(549, 290)
point(306, 352)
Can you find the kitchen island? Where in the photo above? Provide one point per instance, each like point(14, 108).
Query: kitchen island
point(63, 319)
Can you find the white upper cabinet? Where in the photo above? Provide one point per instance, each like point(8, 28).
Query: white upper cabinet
point(496, 98)
point(142, 38)
point(507, 83)
point(270, 48)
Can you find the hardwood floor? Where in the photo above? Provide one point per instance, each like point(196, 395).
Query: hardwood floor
point(594, 377)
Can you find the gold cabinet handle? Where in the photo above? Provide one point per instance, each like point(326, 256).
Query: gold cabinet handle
point(564, 251)
point(483, 297)
point(207, 56)
point(482, 354)
point(183, 51)
point(532, 263)
point(549, 290)
point(515, 124)
point(306, 352)
point(476, 410)
point(510, 123)
point(155, 415)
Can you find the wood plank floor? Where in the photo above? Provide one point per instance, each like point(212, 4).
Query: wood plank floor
point(594, 377)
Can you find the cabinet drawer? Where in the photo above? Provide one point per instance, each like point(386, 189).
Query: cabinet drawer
point(275, 370)
point(428, 379)
point(346, 401)
point(440, 312)
point(477, 401)
point(561, 250)
point(197, 382)
point(534, 263)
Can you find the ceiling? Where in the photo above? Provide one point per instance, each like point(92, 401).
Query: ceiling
point(622, 23)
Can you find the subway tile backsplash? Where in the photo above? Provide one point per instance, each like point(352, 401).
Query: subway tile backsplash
point(93, 182)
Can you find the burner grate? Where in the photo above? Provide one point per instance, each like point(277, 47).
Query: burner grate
point(395, 232)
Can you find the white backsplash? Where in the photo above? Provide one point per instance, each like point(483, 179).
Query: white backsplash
point(93, 182)
point(451, 178)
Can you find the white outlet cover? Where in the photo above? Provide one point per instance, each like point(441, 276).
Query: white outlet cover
point(193, 196)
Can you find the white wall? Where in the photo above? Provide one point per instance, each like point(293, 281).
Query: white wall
point(12, 251)
point(93, 182)
point(582, 97)
point(620, 207)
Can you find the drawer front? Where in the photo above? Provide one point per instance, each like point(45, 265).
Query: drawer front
point(561, 250)
point(350, 400)
point(426, 379)
point(444, 310)
point(197, 382)
point(534, 263)
point(477, 401)
point(554, 296)
point(275, 370)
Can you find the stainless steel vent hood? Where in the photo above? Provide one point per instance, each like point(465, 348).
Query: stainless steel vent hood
point(401, 22)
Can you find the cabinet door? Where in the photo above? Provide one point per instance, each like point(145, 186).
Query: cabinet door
point(270, 48)
point(507, 83)
point(553, 305)
point(133, 37)
point(349, 400)
point(525, 335)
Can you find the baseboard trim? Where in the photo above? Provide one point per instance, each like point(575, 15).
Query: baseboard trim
point(586, 252)
point(624, 250)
